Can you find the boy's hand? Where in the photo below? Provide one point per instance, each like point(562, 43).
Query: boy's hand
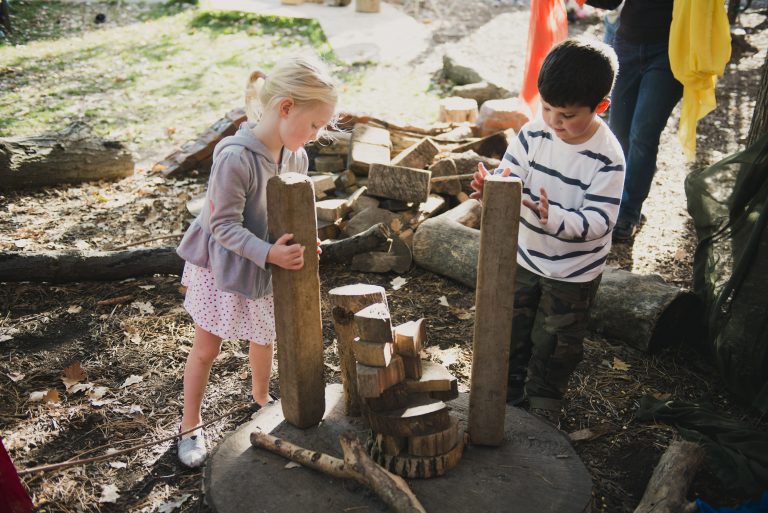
point(319, 249)
point(541, 208)
point(284, 255)
point(478, 179)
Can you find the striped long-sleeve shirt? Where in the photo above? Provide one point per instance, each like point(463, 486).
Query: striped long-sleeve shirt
point(584, 184)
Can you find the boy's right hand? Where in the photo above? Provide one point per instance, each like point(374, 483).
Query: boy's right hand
point(478, 179)
point(284, 255)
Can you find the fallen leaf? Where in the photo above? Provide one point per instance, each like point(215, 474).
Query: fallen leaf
point(52, 396)
point(590, 433)
point(82, 245)
point(243, 375)
point(443, 301)
point(74, 309)
point(118, 464)
point(73, 375)
point(132, 380)
point(170, 506)
point(662, 396)
point(680, 254)
point(109, 493)
point(81, 387)
point(5, 338)
point(398, 282)
point(144, 307)
point(445, 356)
point(292, 464)
point(462, 314)
point(146, 287)
point(22, 243)
point(36, 397)
point(620, 365)
point(16, 376)
point(97, 393)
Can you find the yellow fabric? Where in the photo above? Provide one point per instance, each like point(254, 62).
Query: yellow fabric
point(699, 49)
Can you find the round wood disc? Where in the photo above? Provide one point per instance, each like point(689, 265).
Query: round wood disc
point(535, 469)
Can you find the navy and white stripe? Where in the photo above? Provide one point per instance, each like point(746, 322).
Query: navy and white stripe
point(583, 183)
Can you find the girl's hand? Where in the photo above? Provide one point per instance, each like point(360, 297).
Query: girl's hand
point(284, 255)
point(478, 179)
point(541, 208)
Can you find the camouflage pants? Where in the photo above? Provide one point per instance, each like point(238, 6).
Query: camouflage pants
point(548, 329)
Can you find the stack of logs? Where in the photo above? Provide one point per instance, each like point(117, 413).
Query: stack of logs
point(413, 433)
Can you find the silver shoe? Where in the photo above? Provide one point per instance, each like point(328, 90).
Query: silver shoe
point(191, 447)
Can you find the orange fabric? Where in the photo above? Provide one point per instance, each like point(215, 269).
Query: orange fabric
point(548, 26)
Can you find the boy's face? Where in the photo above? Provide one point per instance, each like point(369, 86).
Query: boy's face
point(573, 125)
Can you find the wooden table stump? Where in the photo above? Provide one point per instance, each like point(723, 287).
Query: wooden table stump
point(535, 469)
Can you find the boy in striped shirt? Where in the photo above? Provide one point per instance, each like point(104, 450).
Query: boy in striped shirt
point(572, 169)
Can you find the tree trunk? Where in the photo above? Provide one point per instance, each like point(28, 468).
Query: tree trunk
point(71, 156)
point(759, 125)
point(72, 266)
point(667, 489)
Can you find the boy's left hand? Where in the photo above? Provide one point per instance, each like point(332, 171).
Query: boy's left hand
point(541, 208)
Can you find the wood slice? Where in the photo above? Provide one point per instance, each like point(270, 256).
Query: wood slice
point(414, 467)
point(373, 323)
point(399, 183)
point(291, 209)
point(331, 209)
point(327, 230)
point(445, 167)
point(536, 456)
point(412, 365)
point(422, 416)
point(362, 155)
point(410, 337)
point(436, 443)
point(344, 180)
point(434, 378)
point(369, 134)
point(395, 397)
point(372, 381)
point(334, 143)
point(373, 354)
point(345, 301)
point(418, 156)
point(323, 183)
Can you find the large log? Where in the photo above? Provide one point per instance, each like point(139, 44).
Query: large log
point(375, 237)
point(298, 323)
point(72, 156)
point(400, 183)
point(72, 266)
point(345, 302)
point(494, 304)
point(640, 310)
point(667, 489)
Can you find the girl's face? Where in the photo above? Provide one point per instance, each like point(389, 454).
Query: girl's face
point(573, 125)
point(300, 124)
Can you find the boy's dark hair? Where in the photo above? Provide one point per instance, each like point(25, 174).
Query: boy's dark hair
point(578, 71)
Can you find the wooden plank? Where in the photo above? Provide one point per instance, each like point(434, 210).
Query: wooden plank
point(434, 378)
point(415, 467)
point(291, 209)
point(331, 209)
point(373, 323)
point(372, 381)
point(400, 183)
point(373, 354)
point(410, 337)
point(418, 155)
point(435, 444)
point(494, 304)
point(345, 301)
point(422, 416)
point(412, 365)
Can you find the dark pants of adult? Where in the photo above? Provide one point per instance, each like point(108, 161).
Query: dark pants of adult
point(643, 98)
point(548, 329)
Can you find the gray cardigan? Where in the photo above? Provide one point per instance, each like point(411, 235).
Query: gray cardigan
point(230, 235)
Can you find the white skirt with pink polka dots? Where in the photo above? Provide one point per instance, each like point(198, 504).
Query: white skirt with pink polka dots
point(225, 314)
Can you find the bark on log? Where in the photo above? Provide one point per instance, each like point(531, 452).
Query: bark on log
point(640, 310)
point(343, 250)
point(73, 266)
point(345, 302)
point(298, 323)
point(357, 465)
point(494, 304)
point(72, 156)
point(667, 489)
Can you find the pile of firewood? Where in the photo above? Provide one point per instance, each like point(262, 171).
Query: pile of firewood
point(413, 433)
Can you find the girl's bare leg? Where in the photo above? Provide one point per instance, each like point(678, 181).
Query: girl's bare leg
point(260, 359)
point(205, 349)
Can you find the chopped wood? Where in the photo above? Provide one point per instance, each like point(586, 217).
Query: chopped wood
point(344, 180)
point(73, 155)
point(400, 183)
point(380, 262)
point(345, 301)
point(434, 378)
point(492, 146)
point(434, 444)
point(359, 200)
point(291, 209)
point(418, 156)
point(502, 114)
point(400, 249)
point(334, 143)
point(329, 163)
point(368, 217)
point(349, 119)
point(331, 209)
point(667, 489)
point(362, 155)
point(412, 365)
point(375, 237)
point(372, 381)
point(391, 489)
point(373, 323)
point(367, 5)
point(415, 467)
point(442, 172)
point(373, 354)
point(326, 230)
point(422, 416)
point(410, 337)
point(369, 134)
point(389, 445)
point(393, 398)
point(456, 109)
point(434, 205)
point(453, 178)
point(323, 183)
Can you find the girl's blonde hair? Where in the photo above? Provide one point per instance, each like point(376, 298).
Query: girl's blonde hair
point(304, 80)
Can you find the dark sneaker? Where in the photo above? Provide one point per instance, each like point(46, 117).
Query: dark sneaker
point(624, 230)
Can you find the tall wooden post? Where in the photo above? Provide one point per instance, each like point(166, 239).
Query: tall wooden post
point(494, 304)
point(345, 302)
point(291, 209)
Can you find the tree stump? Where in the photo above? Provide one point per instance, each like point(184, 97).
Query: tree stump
point(494, 304)
point(345, 302)
point(298, 323)
point(72, 156)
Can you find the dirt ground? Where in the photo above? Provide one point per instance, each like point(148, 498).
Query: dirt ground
point(125, 360)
